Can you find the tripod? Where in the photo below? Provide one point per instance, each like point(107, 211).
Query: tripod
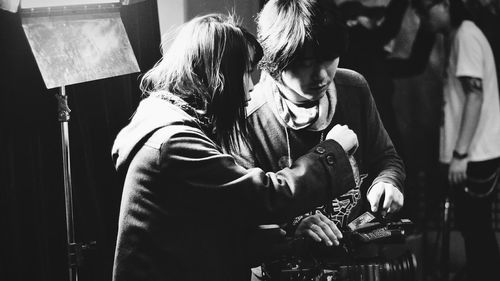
point(472, 202)
point(445, 238)
point(442, 239)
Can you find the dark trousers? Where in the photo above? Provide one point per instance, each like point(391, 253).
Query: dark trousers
point(473, 217)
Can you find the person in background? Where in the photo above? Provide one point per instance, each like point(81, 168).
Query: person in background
point(301, 95)
point(371, 29)
point(187, 207)
point(470, 134)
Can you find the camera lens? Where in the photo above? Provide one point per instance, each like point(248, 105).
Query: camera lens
point(402, 268)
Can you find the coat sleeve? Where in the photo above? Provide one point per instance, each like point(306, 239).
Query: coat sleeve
point(212, 182)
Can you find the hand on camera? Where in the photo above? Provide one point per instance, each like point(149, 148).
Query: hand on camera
point(319, 228)
point(345, 137)
point(393, 198)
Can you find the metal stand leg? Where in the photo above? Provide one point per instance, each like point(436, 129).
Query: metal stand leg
point(445, 240)
point(75, 250)
point(63, 116)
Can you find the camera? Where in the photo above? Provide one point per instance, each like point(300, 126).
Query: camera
point(373, 251)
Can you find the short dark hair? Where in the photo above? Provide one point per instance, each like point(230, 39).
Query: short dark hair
point(204, 66)
point(286, 26)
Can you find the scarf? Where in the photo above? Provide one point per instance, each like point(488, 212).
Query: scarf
point(313, 116)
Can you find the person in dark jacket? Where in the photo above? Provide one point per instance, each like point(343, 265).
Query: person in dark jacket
point(186, 207)
point(301, 95)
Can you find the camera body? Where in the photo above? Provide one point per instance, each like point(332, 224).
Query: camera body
point(373, 251)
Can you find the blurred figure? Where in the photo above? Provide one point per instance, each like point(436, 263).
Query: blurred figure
point(470, 131)
point(371, 29)
point(186, 207)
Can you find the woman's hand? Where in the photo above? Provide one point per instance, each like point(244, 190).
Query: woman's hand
point(319, 228)
point(345, 137)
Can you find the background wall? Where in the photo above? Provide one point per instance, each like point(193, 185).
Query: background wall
point(173, 13)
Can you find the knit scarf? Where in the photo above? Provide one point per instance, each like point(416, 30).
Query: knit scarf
point(313, 116)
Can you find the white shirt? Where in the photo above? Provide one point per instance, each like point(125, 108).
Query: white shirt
point(471, 55)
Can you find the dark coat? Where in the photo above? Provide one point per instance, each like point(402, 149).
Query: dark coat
point(187, 208)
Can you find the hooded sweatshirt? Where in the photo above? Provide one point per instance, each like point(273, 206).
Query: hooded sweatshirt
point(187, 209)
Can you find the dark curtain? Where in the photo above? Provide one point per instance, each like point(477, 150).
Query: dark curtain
point(32, 202)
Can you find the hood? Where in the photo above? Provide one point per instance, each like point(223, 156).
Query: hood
point(151, 114)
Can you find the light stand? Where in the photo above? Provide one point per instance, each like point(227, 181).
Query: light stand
point(74, 44)
point(75, 250)
point(63, 117)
